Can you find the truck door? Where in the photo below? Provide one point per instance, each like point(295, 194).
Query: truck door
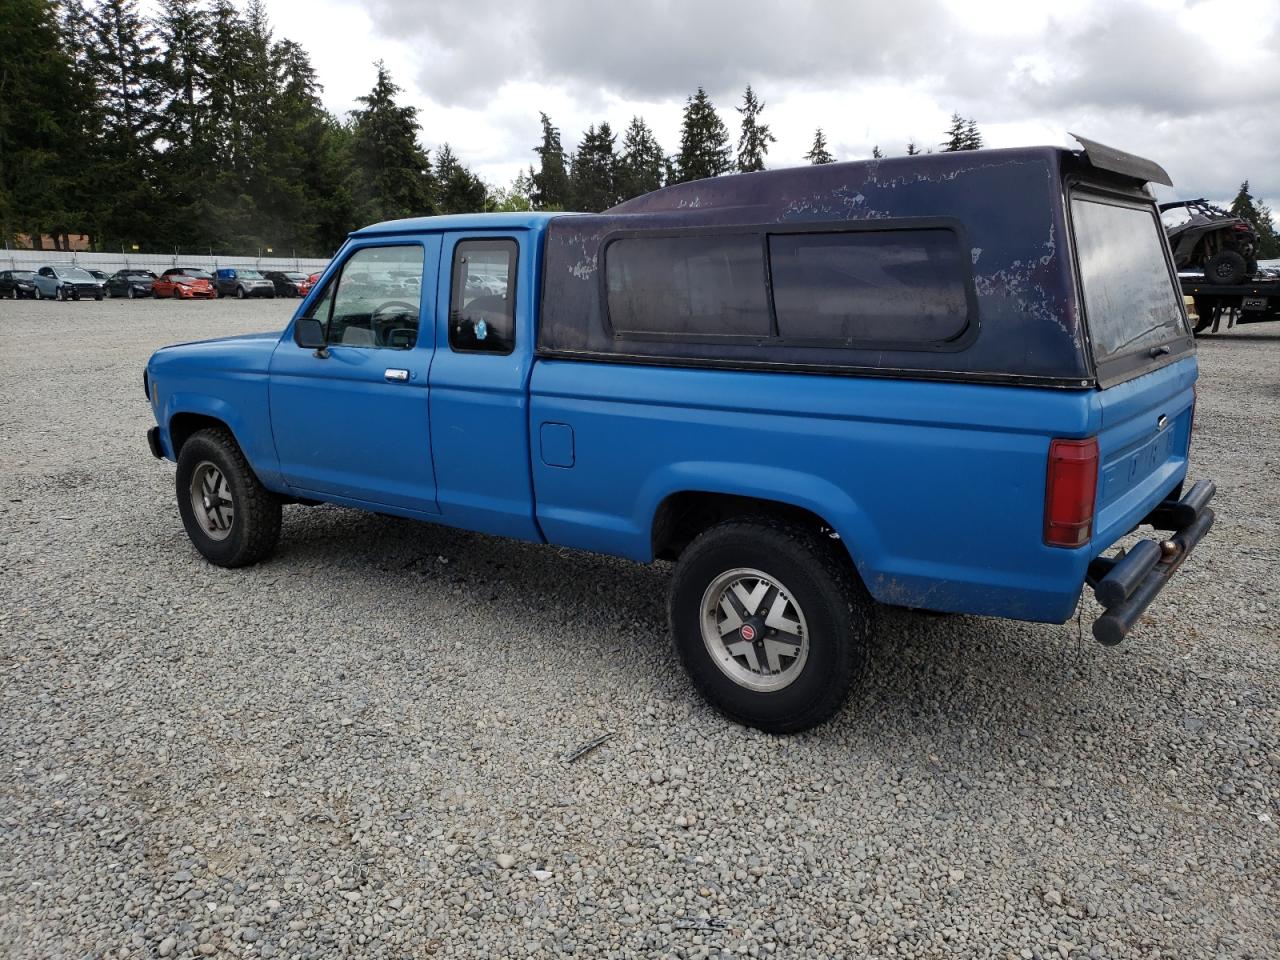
point(351, 422)
point(480, 382)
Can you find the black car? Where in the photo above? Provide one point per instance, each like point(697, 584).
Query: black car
point(18, 284)
point(130, 283)
point(289, 283)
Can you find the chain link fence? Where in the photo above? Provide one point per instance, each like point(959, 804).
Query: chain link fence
point(155, 262)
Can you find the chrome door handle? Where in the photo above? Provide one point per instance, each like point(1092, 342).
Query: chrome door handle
point(396, 376)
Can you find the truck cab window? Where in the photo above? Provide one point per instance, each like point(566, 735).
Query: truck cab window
point(376, 301)
point(482, 312)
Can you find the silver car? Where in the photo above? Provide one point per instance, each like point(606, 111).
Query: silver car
point(66, 281)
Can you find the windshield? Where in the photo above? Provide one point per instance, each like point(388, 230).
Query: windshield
point(74, 273)
point(249, 275)
point(197, 274)
point(1130, 300)
point(139, 274)
point(23, 275)
point(295, 276)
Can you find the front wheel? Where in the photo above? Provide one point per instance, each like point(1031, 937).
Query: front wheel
point(231, 518)
point(39, 295)
point(239, 293)
point(771, 622)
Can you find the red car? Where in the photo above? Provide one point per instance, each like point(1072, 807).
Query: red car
point(184, 283)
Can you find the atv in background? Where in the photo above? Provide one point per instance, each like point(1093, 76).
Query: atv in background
point(1207, 238)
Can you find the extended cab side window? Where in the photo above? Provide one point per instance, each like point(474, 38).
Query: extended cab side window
point(482, 302)
point(375, 301)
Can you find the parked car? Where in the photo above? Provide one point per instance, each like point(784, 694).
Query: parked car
point(131, 283)
point(66, 281)
point(184, 283)
point(17, 284)
point(1214, 241)
point(924, 381)
point(290, 283)
point(315, 277)
point(241, 283)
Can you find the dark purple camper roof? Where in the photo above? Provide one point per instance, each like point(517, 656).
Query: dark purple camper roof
point(1007, 207)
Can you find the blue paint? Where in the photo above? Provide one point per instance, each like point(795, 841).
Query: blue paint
point(936, 488)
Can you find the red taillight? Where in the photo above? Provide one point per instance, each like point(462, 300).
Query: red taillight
point(1070, 489)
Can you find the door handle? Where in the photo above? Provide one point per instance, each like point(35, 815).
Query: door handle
point(396, 376)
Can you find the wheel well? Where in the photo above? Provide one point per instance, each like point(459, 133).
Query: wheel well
point(682, 516)
point(183, 425)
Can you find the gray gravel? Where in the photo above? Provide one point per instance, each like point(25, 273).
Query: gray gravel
point(356, 748)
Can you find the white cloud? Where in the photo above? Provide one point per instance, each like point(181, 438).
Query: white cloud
point(1192, 85)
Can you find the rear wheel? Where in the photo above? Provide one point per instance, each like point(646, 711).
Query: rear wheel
point(1226, 267)
point(771, 622)
point(231, 518)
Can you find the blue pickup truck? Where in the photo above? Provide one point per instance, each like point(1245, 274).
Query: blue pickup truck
point(949, 382)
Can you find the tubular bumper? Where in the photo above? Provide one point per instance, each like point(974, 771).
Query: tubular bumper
point(1126, 585)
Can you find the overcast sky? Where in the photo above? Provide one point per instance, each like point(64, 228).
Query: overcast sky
point(1192, 84)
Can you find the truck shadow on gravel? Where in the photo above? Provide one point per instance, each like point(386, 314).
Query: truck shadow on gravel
point(945, 674)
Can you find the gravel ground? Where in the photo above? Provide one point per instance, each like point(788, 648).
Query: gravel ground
point(356, 748)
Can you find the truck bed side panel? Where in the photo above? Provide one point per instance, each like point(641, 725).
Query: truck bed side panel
point(937, 489)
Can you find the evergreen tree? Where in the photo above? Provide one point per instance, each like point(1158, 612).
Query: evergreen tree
point(392, 172)
point(912, 149)
point(594, 171)
point(704, 142)
point(640, 168)
point(551, 182)
point(515, 198)
point(955, 135)
point(1259, 214)
point(972, 138)
point(753, 143)
point(875, 153)
point(458, 190)
point(186, 168)
point(819, 153)
point(126, 69)
point(40, 99)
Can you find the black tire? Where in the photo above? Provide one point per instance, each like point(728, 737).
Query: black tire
point(255, 527)
point(239, 293)
point(97, 297)
point(824, 585)
point(177, 295)
point(1225, 267)
point(130, 293)
point(38, 294)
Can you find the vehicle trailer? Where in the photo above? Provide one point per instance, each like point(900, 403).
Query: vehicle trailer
point(950, 382)
point(1254, 302)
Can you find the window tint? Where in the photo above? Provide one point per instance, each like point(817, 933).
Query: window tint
point(905, 286)
point(376, 302)
point(1129, 296)
point(482, 311)
point(687, 286)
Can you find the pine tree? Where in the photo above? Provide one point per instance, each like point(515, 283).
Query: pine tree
point(458, 190)
point(875, 153)
point(641, 164)
point(704, 141)
point(972, 137)
point(188, 165)
point(955, 135)
point(392, 172)
point(1259, 214)
point(594, 171)
point(912, 149)
point(551, 182)
point(819, 153)
point(40, 101)
point(124, 62)
point(515, 198)
point(753, 143)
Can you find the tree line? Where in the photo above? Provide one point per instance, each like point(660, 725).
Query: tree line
point(199, 128)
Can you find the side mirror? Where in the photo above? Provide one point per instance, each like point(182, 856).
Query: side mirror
point(308, 334)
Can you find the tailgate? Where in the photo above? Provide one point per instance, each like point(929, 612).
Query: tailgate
point(1142, 447)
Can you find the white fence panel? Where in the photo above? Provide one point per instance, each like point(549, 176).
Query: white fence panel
point(156, 262)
